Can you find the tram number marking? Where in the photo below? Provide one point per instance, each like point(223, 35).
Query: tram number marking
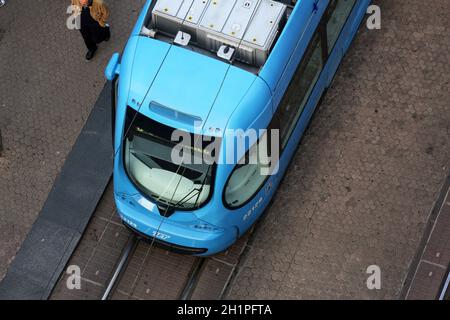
point(129, 222)
point(253, 209)
point(160, 235)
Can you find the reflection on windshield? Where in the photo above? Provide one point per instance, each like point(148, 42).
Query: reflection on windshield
point(147, 156)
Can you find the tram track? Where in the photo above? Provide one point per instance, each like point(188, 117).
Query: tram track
point(116, 263)
point(121, 265)
point(444, 293)
point(120, 270)
point(192, 281)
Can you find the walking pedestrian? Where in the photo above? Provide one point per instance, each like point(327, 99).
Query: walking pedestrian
point(94, 15)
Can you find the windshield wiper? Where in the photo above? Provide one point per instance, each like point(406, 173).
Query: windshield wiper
point(190, 195)
point(203, 183)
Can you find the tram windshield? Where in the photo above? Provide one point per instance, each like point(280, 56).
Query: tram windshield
point(149, 163)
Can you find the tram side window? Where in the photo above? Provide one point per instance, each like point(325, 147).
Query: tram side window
point(300, 88)
point(338, 12)
point(248, 176)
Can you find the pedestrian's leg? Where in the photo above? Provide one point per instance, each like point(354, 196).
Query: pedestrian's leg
point(90, 44)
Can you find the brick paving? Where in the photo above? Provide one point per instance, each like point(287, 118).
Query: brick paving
point(361, 186)
point(218, 271)
point(47, 91)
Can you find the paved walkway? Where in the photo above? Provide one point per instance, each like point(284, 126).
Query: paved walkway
point(429, 272)
point(361, 187)
point(47, 91)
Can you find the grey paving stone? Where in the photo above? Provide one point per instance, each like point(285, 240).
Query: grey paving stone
point(25, 288)
point(37, 261)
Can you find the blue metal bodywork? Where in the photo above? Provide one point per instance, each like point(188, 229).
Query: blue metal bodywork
point(222, 97)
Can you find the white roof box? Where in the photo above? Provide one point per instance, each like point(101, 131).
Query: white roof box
point(251, 25)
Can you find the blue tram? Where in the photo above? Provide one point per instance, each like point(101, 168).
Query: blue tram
point(211, 71)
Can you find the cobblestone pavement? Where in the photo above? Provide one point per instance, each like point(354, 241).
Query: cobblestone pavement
point(47, 90)
point(361, 186)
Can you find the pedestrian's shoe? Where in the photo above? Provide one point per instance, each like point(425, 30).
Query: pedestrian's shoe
point(90, 54)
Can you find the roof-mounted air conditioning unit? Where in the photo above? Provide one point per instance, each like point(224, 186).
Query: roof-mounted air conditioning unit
point(248, 26)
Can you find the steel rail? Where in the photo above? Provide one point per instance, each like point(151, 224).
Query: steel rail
point(192, 281)
point(122, 264)
point(445, 292)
